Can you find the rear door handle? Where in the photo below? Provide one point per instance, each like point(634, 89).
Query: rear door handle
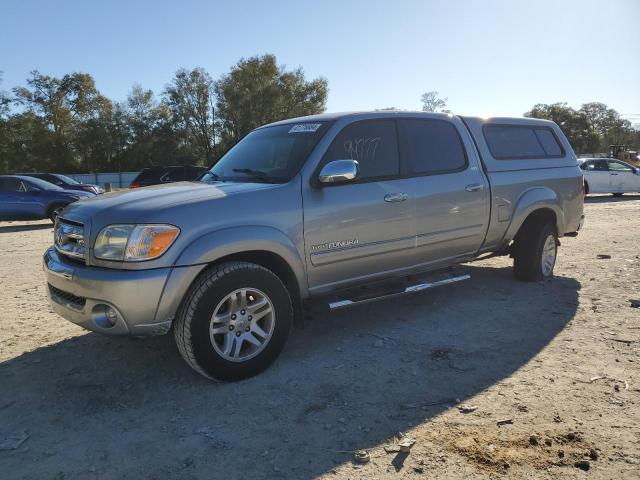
point(614, 174)
point(473, 187)
point(395, 197)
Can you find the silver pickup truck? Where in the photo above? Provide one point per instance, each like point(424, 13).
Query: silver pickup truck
point(339, 209)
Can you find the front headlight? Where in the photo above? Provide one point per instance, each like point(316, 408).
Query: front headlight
point(134, 243)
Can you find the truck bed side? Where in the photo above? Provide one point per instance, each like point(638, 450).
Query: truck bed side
point(522, 186)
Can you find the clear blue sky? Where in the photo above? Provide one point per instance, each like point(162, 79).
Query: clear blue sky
point(488, 57)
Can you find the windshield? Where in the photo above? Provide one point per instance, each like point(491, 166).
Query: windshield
point(41, 184)
point(66, 179)
point(270, 155)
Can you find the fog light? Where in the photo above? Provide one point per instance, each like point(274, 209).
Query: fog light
point(112, 315)
point(104, 316)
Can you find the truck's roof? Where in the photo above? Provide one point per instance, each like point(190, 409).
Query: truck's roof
point(328, 117)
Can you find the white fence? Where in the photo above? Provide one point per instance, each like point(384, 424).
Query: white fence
point(117, 180)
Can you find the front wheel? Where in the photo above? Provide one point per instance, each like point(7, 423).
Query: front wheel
point(535, 251)
point(234, 322)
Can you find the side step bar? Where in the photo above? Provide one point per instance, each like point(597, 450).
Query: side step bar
point(410, 289)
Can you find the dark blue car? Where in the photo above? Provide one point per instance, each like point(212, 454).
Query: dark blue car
point(26, 198)
point(65, 182)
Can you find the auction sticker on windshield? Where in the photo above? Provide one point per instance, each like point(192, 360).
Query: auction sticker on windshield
point(305, 128)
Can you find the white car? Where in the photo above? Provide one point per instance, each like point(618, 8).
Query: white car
point(608, 175)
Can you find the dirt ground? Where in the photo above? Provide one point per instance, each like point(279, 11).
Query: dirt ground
point(558, 360)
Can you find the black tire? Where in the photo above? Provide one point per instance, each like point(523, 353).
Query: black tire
point(586, 188)
point(618, 194)
point(191, 327)
point(528, 250)
point(54, 210)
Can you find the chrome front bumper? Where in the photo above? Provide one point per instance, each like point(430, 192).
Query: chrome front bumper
point(144, 301)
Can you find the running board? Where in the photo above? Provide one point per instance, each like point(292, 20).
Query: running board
point(410, 289)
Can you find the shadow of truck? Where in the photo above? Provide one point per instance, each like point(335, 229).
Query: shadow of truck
point(119, 408)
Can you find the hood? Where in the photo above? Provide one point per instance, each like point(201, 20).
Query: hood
point(134, 206)
point(87, 187)
point(77, 193)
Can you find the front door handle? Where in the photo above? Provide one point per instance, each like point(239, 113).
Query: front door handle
point(614, 174)
point(474, 187)
point(395, 197)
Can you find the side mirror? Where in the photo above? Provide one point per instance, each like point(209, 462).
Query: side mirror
point(339, 171)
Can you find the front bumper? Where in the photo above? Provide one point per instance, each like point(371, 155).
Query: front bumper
point(144, 301)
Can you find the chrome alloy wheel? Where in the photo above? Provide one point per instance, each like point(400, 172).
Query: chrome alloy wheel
point(242, 324)
point(549, 252)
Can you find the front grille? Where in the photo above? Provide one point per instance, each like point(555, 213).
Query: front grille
point(68, 238)
point(67, 299)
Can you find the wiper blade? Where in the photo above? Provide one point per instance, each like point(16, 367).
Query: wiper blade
point(259, 174)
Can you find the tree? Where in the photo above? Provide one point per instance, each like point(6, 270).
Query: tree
point(431, 102)
point(64, 105)
point(574, 124)
point(61, 101)
point(5, 102)
point(190, 98)
point(147, 132)
point(257, 91)
point(26, 144)
point(5, 105)
point(608, 124)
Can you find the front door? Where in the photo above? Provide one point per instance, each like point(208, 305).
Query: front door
point(623, 177)
point(360, 229)
point(451, 193)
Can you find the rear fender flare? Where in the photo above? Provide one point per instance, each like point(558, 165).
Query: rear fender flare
point(538, 198)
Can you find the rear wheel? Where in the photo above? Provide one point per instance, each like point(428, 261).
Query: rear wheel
point(586, 188)
point(234, 322)
point(535, 251)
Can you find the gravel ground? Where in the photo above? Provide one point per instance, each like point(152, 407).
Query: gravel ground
point(558, 360)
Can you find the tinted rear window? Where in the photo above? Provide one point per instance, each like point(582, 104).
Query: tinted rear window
point(520, 142)
point(549, 142)
point(150, 174)
point(173, 174)
point(432, 146)
point(9, 185)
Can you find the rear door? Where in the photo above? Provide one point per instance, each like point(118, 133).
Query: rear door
point(451, 193)
point(597, 176)
point(623, 177)
point(364, 228)
point(8, 200)
point(17, 200)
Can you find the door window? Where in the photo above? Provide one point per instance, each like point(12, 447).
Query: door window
point(597, 166)
point(432, 146)
point(372, 143)
point(619, 167)
point(10, 185)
